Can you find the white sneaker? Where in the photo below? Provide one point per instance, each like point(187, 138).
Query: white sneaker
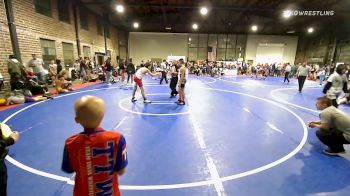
point(147, 101)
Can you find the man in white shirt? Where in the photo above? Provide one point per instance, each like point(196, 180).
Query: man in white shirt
point(336, 84)
point(37, 65)
point(287, 71)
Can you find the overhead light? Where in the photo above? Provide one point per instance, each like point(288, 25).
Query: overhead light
point(204, 11)
point(310, 30)
point(291, 32)
point(168, 28)
point(287, 13)
point(120, 8)
point(136, 25)
point(189, 39)
point(254, 28)
point(195, 26)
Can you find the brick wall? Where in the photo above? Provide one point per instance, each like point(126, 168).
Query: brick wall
point(5, 43)
point(32, 26)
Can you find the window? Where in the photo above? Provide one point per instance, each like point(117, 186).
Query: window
point(63, 10)
point(202, 53)
point(99, 25)
point(222, 39)
point(84, 23)
point(192, 54)
point(48, 50)
point(43, 7)
point(231, 41)
point(213, 40)
point(221, 56)
point(203, 40)
point(193, 40)
point(86, 51)
point(68, 55)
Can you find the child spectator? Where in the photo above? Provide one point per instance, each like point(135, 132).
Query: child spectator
point(97, 156)
point(62, 85)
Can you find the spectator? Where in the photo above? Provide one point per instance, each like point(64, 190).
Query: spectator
point(53, 71)
point(16, 71)
point(334, 126)
point(97, 156)
point(302, 73)
point(336, 83)
point(4, 143)
point(109, 70)
point(62, 85)
point(37, 65)
point(130, 69)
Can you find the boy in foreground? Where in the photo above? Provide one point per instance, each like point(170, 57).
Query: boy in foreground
point(97, 156)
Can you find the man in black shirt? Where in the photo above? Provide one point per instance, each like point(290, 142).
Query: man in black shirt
point(174, 79)
point(130, 69)
point(109, 70)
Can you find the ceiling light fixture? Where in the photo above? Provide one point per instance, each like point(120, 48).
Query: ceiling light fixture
point(204, 11)
point(168, 28)
point(136, 25)
point(120, 8)
point(287, 14)
point(310, 30)
point(195, 26)
point(254, 28)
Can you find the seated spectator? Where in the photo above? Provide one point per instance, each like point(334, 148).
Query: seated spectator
point(1, 81)
point(19, 97)
point(16, 71)
point(53, 71)
point(34, 87)
point(62, 85)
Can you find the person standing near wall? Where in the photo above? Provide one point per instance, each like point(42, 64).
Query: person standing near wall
point(302, 73)
point(38, 69)
point(16, 71)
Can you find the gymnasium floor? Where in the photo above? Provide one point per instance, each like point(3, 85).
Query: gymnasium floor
point(234, 136)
